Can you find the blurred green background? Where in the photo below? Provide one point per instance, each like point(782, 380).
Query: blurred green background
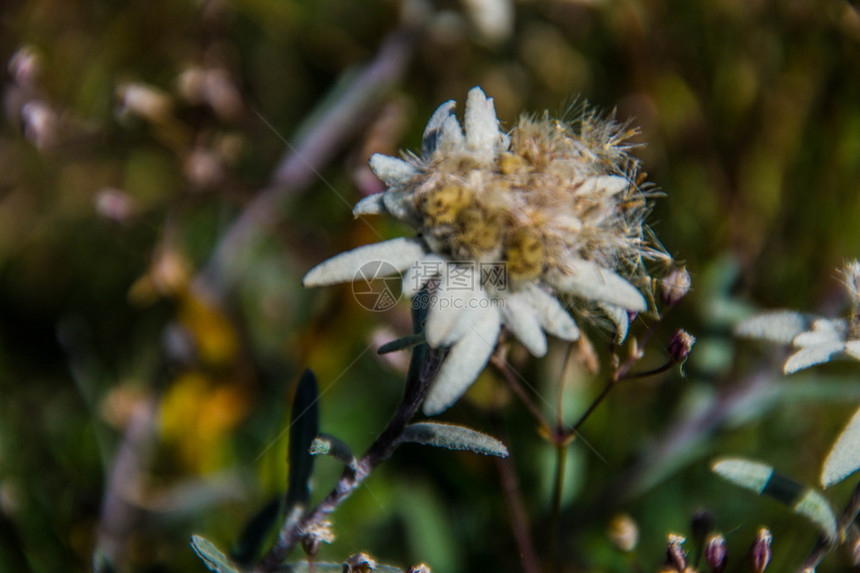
point(150, 344)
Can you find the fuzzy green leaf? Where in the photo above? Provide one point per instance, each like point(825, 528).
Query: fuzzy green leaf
point(214, 559)
point(401, 344)
point(328, 445)
point(764, 480)
point(453, 437)
point(844, 457)
point(304, 422)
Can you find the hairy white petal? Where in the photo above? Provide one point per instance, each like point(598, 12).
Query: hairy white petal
point(458, 301)
point(552, 316)
point(610, 184)
point(619, 317)
point(816, 337)
point(370, 205)
point(812, 355)
point(780, 326)
point(522, 320)
point(591, 281)
point(464, 362)
point(433, 130)
point(482, 125)
point(400, 204)
point(398, 253)
point(420, 272)
point(844, 457)
point(451, 137)
point(852, 348)
point(391, 170)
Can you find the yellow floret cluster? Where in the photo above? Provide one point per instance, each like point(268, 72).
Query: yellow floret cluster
point(559, 192)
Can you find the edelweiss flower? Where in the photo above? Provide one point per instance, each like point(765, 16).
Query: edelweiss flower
point(555, 207)
point(817, 339)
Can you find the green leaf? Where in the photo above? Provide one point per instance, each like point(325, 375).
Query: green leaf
point(764, 480)
point(255, 531)
point(453, 437)
point(401, 344)
point(304, 427)
point(844, 457)
point(328, 445)
point(214, 559)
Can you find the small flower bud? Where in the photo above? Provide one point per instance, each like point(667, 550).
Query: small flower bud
point(115, 204)
point(623, 532)
point(675, 556)
point(25, 66)
point(143, 101)
point(680, 345)
point(359, 563)
point(761, 551)
point(41, 124)
point(675, 285)
point(420, 568)
point(315, 535)
point(715, 553)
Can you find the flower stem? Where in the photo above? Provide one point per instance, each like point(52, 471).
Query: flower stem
point(557, 490)
point(416, 390)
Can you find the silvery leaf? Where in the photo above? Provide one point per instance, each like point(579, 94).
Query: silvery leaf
point(482, 125)
point(391, 170)
point(451, 137)
point(370, 205)
point(458, 300)
point(522, 320)
point(619, 317)
point(328, 445)
point(395, 256)
point(590, 281)
point(420, 272)
point(552, 316)
point(763, 480)
point(464, 362)
point(609, 184)
point(453, 437)
point(433, 130)
point(812, 355)
point(844, 457)
point(780, 326)
point(211, 556)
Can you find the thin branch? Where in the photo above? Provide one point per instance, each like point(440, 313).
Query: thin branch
point(381, 449)
point(517, 511)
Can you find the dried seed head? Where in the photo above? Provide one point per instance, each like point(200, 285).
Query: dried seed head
point(546, 195)
point(623, 532)
point(851, 276)
point(675, 556)
point(761, 551)
point(675, 286)
point(25, 66)
point(715, 553)
point(681, 344)
point(144, 101)
point(359, 563)
point(315, 535)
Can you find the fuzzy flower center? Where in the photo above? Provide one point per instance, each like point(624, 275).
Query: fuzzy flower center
point(553, 196)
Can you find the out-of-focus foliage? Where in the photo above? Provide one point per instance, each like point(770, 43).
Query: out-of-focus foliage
point(146, 374)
